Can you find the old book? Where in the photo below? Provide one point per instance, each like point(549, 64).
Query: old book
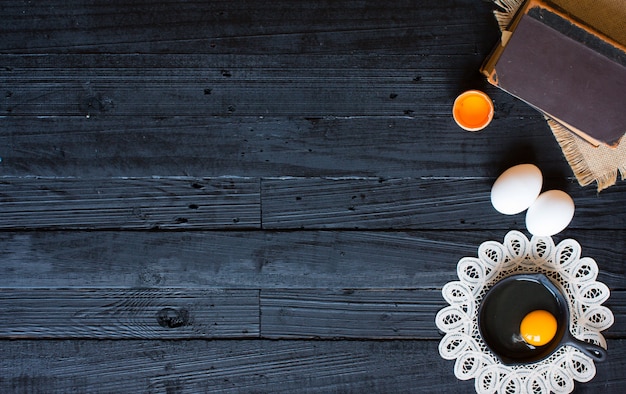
point(565, 69)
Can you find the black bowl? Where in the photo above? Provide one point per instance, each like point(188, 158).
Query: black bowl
point(505, 305)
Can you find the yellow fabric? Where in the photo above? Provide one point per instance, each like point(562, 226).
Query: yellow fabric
point(606, 16)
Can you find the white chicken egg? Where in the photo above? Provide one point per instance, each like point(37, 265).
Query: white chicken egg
point(551, 212)
point(516, 189)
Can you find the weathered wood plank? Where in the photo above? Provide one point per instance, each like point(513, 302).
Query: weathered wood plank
point(372, 314)
point(138, 203)
point(437, 203)
point(255, 260)
point(283, 203)
point(184, 314)
point(233, 259)
point(241, 85)
point(229, 313)
point(249, 90)
point(257, 91)
point(250, 366)
point(349, 313)
point(121, 313)
point(274, 146)
point(223, 27)
point(102, 96)
point(234, 65)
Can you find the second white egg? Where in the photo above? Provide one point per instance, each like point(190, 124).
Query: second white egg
point(551, 213)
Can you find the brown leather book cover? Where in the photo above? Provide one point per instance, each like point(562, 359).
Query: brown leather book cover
point(564, 69)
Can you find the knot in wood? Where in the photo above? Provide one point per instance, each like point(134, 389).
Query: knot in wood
point(173, 318)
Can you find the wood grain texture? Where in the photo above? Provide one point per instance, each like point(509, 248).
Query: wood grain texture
point(241, 90)
point(263, 260)
point(285, 169)
point(350, 313)
point(184, 314)
point(245, 26)
point(389, 146)
point(372, 314)
point(138, 203)
point(234, 259)
point(228, 313)
point(438, 203)
point(121, 313)
point(253, 366)
point(225, 366)
point(283, 203)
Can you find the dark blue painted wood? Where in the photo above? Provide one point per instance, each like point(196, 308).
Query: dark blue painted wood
point(175, 171)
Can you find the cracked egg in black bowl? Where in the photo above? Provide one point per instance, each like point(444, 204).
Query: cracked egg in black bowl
point(516, 340)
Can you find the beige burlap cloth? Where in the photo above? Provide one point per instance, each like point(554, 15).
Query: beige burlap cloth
point(590, 164)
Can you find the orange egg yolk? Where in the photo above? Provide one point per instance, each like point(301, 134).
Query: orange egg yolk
point(472, 111)
point(538, 327)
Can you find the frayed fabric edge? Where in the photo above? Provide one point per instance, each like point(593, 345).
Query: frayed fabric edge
point(506, 12)
point(567, 141)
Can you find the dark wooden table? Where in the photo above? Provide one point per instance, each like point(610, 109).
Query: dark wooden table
point(247, 196)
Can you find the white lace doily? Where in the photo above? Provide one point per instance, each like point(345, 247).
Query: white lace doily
point(573, 274)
